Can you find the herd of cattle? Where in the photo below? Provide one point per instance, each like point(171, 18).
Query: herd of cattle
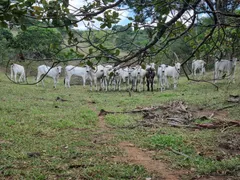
point(109, 77)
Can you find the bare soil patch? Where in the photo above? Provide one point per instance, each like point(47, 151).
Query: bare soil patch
point(134, 155)
point(101, 122)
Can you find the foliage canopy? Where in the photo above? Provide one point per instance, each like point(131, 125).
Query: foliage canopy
point(207, 28)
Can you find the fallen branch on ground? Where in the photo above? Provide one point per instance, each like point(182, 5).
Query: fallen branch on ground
point(230, 123)
point(218, 124)
point(183, 126)
point(175, 114)
point(226, 107)
point(207, 126)
point(179, 153)
point(179, 120)
point(104, 112)
point(213, 125)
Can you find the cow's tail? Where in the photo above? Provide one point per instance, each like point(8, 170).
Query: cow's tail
point(24, 75)
point(215, 74)
point(192, 67)
point(64, 79)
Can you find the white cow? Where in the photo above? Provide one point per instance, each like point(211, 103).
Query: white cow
point(48, 71)
point(137, 76)
point(107, 76)
point(77, 71)
point(227, 67)
point(117, 79)
point(174, 72)
point(99, 73)
point(124, 73)
point(114, 74)
point(121, 75)
point(198, 65)
point(162, 76)
point(17, 69)
point(131, 76)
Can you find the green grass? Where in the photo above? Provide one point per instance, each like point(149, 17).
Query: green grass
point(72, 145)
point(191, 158)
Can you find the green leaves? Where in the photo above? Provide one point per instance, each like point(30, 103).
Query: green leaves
point(90, 50)
point(73, 54)
point(37, 39)
point(8, 17)
point(99, 18)
point(102, 26)
point(23, 27)
point(143, 66)
point(89, 63)
point(38, 10)
point(110, 17)
point(115, 15)
point(3, 24)
point(4, 4)
point(80, 55)
point(117, 52)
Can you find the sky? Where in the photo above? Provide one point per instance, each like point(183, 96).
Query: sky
point(79, 3)
point(123, 14)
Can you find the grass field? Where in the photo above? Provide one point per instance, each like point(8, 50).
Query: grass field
point(48, 133)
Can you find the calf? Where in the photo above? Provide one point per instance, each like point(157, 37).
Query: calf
point(17, 69)
point(150, 74)
point(48, 71)
point(227, 67)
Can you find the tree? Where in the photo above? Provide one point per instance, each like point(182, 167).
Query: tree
point(38, 43)
point(6, 38)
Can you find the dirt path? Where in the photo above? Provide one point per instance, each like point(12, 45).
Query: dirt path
point(101, 123)
point(135, 155)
